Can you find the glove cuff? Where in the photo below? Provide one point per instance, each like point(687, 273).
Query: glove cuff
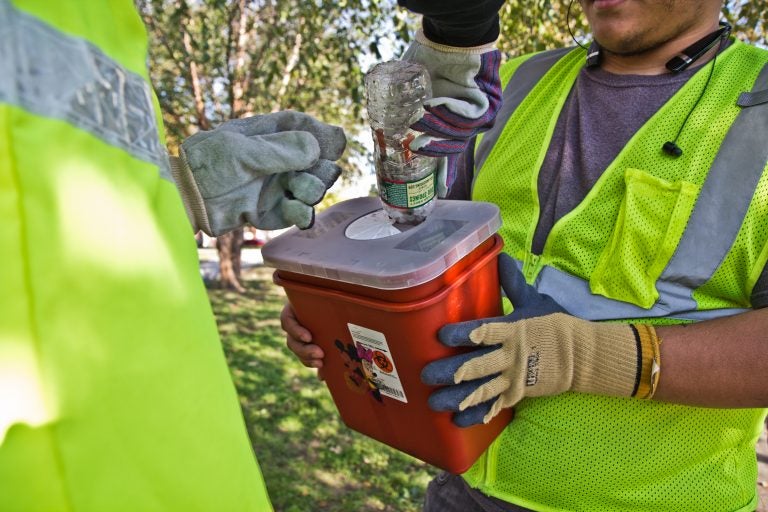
point(649, 360)
point(470, 50)
point(616, 359)
point(190, 193)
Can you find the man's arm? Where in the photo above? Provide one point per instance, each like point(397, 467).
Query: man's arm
point(716, 363)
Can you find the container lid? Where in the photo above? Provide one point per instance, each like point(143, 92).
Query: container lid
point(355, 242)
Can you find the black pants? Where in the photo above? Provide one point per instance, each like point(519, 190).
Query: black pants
point(450, 493)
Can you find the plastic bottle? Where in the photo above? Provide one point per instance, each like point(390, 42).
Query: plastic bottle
point(395, 92)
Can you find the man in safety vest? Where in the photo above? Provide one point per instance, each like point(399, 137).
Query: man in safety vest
point(114, 390)
point(631, 179)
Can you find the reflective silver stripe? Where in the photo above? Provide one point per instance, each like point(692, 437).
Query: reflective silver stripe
point(723, 201)
point(752, 98)
point(525, 77)
point(59, 76)
point(573, 294)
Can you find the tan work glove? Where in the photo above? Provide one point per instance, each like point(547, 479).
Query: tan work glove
point(527, 355)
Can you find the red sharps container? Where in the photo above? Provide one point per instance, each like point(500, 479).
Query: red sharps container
point(374, 295)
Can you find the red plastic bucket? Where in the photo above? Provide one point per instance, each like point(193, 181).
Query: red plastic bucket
point(376, 343)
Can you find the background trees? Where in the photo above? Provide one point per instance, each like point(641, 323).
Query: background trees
point(534, 25)
point(214, 60)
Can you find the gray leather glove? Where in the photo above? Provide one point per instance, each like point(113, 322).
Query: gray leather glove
point(268, 171)
point(466, 96)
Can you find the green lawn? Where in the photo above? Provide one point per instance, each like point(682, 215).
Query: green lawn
point(311, 461)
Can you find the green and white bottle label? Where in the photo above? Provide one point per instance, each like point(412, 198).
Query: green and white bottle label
point(410, 194)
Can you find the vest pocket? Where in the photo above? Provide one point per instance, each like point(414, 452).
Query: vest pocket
point(651, 219)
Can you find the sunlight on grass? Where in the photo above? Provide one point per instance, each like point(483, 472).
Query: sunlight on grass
point(276, 353)
point(261, 413)
point(374, 503)
point(380, 459)
point(290, 425)
point(295, 372)
point(311, 461)
point(311, 393)
point(328, 430)
point(269, 398)
point(336, 479)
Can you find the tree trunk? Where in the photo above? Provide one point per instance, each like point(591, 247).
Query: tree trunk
point(289, 66)
point(228, 247)
point(202, 118)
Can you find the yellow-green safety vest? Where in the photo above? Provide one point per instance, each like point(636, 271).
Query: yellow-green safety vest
point(657, 239)
point(114, 390)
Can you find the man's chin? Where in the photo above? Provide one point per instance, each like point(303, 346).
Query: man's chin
point(629, 47)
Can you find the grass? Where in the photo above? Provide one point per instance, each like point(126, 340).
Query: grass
point(310, 460)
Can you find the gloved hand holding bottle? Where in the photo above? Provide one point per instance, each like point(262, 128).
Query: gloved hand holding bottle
point(457, 46)
point(538, 350)
point(268, 171)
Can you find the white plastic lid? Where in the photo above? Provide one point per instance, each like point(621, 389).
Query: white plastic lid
point(410, 257)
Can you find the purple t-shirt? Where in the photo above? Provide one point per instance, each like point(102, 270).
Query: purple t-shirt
point(599, 117)
point(602, 112)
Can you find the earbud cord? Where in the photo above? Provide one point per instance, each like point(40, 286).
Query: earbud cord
point(670, 147)
point(568, 25)
point(701, 94)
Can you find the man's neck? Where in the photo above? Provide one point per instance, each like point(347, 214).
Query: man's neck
point(653, 62)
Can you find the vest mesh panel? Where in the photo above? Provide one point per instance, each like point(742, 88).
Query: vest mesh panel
point(124, 399)
point(736, 277)
point(585, 452)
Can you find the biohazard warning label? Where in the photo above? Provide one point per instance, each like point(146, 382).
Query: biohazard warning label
point(377, 361)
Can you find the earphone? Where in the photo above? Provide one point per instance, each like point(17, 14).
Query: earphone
point(691, 54)
point(682, 60)
point(676, 64)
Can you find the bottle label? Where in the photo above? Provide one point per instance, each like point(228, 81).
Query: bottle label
point(411, 194)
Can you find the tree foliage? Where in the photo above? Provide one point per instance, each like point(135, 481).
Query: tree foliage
point(749, 20)
point(535, 25)
point(214, 60)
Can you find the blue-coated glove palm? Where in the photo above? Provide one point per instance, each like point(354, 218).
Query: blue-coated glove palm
point(528, 303)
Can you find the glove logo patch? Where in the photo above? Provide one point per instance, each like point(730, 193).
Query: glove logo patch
point(532, 374)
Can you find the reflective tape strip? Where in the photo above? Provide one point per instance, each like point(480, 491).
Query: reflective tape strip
point(574, 294)
point(525, 78)
point(55, 75)
point(723, 201)
point(752, 98)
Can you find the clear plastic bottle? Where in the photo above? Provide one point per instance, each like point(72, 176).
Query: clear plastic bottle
point(395, 92)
